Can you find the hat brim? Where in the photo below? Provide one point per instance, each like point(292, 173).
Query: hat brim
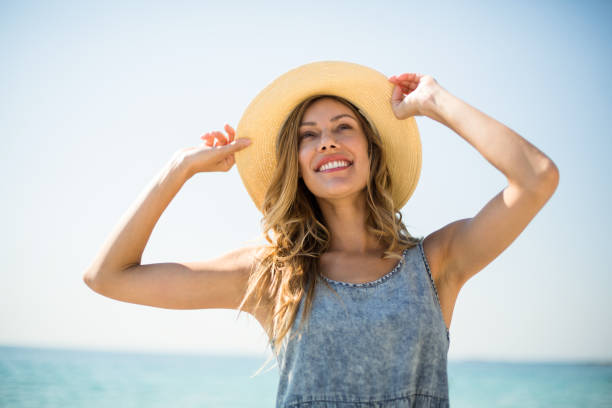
point(365, 87)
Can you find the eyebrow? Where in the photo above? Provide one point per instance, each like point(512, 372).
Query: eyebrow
point(332, 119)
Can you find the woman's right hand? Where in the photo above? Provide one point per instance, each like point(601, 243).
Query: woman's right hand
point(216, 153)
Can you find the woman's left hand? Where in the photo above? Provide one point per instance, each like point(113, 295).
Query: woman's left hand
point(413, 94)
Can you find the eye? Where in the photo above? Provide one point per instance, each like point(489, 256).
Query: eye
point(306, 134)
point(344, 126)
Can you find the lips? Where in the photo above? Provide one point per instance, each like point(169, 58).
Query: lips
point(335, 165)
point(340, 159)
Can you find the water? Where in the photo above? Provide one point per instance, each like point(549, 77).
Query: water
point(530, 385)
point(73, 378)
point(31, 377)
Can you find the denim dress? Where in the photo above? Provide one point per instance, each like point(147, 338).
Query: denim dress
point(377, 344)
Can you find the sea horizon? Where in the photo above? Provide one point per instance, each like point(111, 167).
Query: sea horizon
point(56, 376)
point(221, 353)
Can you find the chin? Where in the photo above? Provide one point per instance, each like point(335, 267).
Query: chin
point(337, 187)
point(337, 193)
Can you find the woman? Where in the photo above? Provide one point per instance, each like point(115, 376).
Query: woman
point(357, 309)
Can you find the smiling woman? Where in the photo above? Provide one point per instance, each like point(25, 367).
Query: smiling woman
point(330, 217)
point(300, 204)
point(356, 309)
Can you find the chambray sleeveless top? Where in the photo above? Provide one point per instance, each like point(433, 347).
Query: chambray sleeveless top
point(380, 344)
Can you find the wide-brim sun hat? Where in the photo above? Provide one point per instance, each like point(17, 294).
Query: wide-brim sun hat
point(366, 88)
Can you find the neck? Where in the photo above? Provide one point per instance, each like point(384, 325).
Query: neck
point(346, 221)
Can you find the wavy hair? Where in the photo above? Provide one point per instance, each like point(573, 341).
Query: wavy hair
point(294, 227)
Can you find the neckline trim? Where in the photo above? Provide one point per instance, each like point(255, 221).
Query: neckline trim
point(371, 283)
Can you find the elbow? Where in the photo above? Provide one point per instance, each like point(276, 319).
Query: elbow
point(89, 278)
point(546, 181)
point(550, 177)
point(540, 181)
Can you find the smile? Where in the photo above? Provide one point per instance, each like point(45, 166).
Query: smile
point(334, 165)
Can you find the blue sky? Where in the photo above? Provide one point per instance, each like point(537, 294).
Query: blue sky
point(98, 96)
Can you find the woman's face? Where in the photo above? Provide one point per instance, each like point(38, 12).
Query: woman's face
point(333, 150)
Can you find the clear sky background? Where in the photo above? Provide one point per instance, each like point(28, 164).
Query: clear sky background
point(96, 97)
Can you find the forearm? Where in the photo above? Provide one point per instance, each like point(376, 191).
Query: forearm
point(126, 243)
point(520, 161)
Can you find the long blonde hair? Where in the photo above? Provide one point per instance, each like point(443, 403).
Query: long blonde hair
point(295, 229)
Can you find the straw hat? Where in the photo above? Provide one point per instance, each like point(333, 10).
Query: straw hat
point(365, 87)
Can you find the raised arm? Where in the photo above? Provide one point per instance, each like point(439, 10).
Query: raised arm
point(462, 248)
point(117, 272)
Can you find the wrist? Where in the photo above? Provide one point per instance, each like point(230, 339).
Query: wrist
point(180, 166)
point(433, 106)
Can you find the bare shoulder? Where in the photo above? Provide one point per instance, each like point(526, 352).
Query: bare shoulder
point(435, 246)
point(238, 265)
point(225, 278)
point(227, 281)
point(433, 250)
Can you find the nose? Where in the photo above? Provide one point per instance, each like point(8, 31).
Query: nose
point(327, 141)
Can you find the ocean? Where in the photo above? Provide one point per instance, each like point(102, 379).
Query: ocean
point(46, 377)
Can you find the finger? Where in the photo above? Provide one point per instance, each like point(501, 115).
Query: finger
point(237, 145)
point(231, 132)
point(221, 139)
point(209, 139)
point(397, 96)
point(408, 75)
point(228, 162)
point(409, 81)
point(409, 85)
point(406, 88)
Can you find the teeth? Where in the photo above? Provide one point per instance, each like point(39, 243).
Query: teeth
point(334, 164)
